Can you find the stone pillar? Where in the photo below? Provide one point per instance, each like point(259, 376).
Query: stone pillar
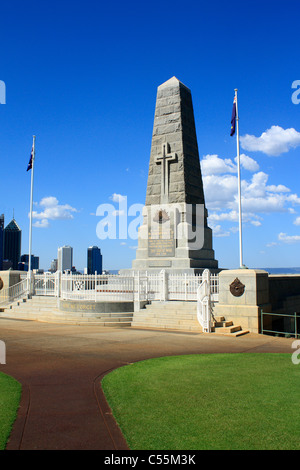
point(174, 235)
point(243, 293)
point(8, 279)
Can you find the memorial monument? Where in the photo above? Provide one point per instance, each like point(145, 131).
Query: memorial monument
point(174, 234)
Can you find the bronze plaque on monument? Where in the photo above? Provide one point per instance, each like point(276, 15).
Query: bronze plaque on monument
point(161, 242)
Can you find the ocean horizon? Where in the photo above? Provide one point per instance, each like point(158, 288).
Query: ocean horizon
point(282, 270)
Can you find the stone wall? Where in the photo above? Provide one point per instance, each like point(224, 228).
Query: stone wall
point(284, 293)
point(256, 291)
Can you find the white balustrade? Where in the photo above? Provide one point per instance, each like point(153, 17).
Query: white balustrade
point(14, 292)
point(138, 287)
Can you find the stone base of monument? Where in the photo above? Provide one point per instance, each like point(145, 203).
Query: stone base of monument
point(243, 293)
point(168, 240)
point(97, 307)
point(52, 310)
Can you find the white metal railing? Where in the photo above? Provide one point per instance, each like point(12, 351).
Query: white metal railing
point(138, 287)
point(204, 302)
point(14, 292)
point(183, 286)
point(141, 286)
point(46, 284)
point(97, 287)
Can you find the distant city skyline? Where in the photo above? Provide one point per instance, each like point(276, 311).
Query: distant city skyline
point(89, 98)
point(65, 258)
point(94, 260)
point(12, 239)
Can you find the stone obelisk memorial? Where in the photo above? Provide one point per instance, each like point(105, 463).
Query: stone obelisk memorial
point(174, 234)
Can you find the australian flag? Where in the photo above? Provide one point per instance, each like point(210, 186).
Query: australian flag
point(233, 117)
point(30, 161)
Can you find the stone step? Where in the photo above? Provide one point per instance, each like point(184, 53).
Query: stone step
point(228, 329)
point(91, 322)
point(174, 315)
point(171, 315)
point(60, 314)
point(219, 319)
point(220, 324)
point(124, 321)
point(30, 307)
point(158, 324)
point(24, 302)
point(172, 305)
point(155, 326)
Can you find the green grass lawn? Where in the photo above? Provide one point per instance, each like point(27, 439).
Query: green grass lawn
point(10, 395)
point(209, 401)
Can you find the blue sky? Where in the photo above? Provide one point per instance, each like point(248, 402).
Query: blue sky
point(83, 76)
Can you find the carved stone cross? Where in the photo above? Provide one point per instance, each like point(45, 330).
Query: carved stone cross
point(163, 160)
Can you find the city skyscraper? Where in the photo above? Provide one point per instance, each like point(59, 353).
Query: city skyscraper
point(12, 243)
point(53, 266)
point(64, 258)
point(35, 262)
point(94, 260)
point(1, 240)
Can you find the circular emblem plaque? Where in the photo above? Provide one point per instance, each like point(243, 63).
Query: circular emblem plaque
point(237, 288)
point(1, 284)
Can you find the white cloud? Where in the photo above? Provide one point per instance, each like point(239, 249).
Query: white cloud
point(219, 232)
point(258, 197)
point(248, 163)
point(273, 141)
point(219, 190)
point(52, 210)
point(117, 197)
point(283, 237)
point(280, 188)
point(293, 198)
point(297, 221)
point(271, 244)
point(49, 201)
point(233, 216)
point(214, 165)
point(44, 223)
point(256, 223)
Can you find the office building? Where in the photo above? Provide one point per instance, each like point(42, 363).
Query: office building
point(1, 240)
point(94, 260)
point(35, 262)
point(12, 243)
point(53, 266)
point(65, 258)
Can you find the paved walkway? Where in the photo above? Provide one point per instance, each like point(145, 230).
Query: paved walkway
point(60, 368)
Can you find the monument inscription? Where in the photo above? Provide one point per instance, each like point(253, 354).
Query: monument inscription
point(161, 241)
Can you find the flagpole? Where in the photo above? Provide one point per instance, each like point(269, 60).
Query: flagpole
point(30, 216)
point(239, 180)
